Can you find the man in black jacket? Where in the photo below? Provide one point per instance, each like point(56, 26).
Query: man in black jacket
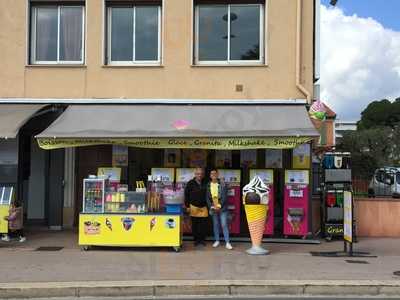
point(196, 203)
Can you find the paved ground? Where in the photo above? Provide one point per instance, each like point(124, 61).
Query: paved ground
point(225, 298)
point(21, 263)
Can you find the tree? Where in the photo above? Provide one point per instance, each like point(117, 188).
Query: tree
point(380, 113)
point(370, 149)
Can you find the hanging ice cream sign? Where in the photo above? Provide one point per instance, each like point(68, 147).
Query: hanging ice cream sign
point(318, 111)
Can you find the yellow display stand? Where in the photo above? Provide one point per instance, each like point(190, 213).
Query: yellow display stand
point(130, 230)
point(4, 209)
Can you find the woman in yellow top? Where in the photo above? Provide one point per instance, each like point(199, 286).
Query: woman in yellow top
point(218, 206)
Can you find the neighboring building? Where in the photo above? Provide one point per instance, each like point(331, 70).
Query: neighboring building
point(343, 126)
point(60, 53)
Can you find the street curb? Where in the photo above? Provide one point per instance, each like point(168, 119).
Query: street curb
point(150, 288)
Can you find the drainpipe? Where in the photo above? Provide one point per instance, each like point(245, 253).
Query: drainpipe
point(302, 88)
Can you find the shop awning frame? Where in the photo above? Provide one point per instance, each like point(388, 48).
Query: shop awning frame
point(181, 126)
point(14, 116)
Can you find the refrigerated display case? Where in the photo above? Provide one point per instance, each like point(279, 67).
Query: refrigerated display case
point(6, 196)
point(267, 176)
point(126, 218)
point(232, 180)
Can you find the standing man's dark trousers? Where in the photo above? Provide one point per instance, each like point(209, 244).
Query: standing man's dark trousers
point(199, 229)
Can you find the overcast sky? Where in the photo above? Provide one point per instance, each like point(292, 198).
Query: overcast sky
point(360, 56)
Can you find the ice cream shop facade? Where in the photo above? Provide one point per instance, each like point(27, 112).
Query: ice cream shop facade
point(226, 84)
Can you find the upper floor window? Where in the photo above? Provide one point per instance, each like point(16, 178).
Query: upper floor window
point(134, 34)
point(57, 34)
point(229, 33)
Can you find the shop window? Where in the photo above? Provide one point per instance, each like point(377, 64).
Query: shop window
point(57, 33)
point(133, 33)
point(229, 33)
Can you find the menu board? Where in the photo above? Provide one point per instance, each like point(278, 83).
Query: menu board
point(302, 156)
point(297, 176)
point(164, 174)
point(195, 158)
point(184, 174)
point(348, 217)
point(113, 174)
point(267, 176)
point(172, 158)
point(248, 158)
point(120, 156)
point(229, 176)
point(223, 158)
point(273, 158)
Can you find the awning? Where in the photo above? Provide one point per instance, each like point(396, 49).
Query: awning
point(14, 116)
point(181, 126)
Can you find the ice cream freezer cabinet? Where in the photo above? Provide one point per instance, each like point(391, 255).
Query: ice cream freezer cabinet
point(130, 230)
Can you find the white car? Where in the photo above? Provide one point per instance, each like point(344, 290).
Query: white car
point(385, 182)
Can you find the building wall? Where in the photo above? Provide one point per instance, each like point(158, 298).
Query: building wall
point(176, 78)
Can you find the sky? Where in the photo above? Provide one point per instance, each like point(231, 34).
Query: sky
point(360, 54)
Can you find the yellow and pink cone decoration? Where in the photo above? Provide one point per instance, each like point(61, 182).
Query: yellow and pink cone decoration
point(256, 214)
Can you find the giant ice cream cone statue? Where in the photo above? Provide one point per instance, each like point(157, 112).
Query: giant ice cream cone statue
point(255, 200)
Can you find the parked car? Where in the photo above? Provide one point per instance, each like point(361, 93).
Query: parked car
point(385, 182)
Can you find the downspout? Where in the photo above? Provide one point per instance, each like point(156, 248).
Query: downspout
point(302, 88)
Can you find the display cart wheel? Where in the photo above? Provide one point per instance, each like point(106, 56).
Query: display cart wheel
point(85, 248)
point(177, 249)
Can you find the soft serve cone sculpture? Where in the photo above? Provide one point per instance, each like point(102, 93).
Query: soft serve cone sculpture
point(255, 200)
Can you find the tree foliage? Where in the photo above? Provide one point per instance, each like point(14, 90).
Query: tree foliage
point(380, 113)
point(376, 143)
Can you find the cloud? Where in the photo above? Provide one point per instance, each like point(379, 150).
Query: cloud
point(360, 62)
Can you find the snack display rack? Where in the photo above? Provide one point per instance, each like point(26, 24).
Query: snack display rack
point(122, 218)
point(337, 180)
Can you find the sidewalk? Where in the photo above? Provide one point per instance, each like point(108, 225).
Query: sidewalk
point(289, 268)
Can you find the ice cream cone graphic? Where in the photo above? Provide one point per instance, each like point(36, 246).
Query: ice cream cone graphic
point(256, 217)
point(256, 213)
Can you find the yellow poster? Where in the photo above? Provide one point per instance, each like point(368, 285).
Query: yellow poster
point(3, 223)
point(130, 230)
point(217, 143)
point(348, 216)
point(302, 156)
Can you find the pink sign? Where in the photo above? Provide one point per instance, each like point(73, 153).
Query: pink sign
point(181, 124)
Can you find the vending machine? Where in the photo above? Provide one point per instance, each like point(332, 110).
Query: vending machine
point(232, 180)
point(267, 176)
point(296, 203)
point(183, 175)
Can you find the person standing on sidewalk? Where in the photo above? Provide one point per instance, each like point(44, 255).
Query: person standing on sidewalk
point(218, 206)
point(196, 204)
point(15, 223)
